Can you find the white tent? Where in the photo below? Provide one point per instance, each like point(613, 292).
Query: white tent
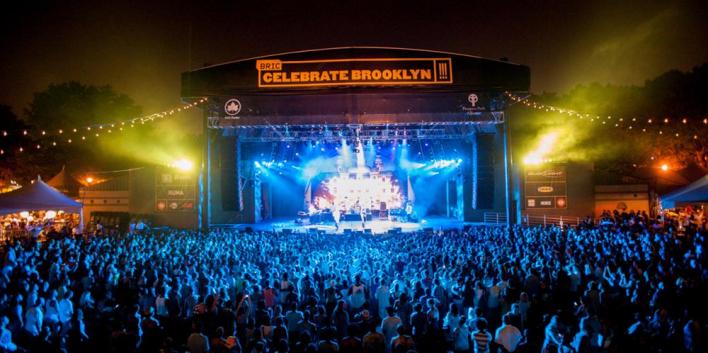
point(697, 191)
point(37, 196)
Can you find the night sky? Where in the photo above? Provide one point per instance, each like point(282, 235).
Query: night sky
point(141, 47)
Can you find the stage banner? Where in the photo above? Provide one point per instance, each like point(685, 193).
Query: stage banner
point(175, 191)
point(274, 73)
point(545, 187)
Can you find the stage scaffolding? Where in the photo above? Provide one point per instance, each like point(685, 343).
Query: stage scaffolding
point(362, 132)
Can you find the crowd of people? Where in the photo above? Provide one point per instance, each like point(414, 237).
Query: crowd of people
point(625, 287)
point(38, 224)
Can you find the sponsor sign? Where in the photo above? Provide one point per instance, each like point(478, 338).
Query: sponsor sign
point(546, 187)
point(174, 191)
point(232, 107)
point(273, 73)
point(474, 104)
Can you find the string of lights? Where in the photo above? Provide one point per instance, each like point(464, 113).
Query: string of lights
point(80, 134)
point(662, 126)
point(112, 125)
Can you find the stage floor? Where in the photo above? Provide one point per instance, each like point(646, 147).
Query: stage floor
point(376, 226)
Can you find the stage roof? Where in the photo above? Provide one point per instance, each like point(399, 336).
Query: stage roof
point(242, 76)
point(355, 85)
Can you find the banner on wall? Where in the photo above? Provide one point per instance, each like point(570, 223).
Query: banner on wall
point(175, 191)
point(546, 187)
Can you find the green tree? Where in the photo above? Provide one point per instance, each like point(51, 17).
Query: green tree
point(73, 105)
point(16, 164)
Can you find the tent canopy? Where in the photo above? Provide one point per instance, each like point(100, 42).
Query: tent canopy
point(65, 183)
point(37, 196)
point(694, 192)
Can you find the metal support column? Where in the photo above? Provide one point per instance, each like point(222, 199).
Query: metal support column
point(508, 197)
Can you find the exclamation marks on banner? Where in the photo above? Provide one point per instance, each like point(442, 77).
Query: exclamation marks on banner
point(443, 71)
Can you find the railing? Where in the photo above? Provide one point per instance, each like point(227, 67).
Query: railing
point(494, 218)
point(545, 220)
point(550, 220)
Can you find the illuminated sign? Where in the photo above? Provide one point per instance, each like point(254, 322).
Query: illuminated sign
point(546, 187)
point(174, 191)
point(354, 72)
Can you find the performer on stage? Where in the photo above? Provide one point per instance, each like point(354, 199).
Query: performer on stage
point(336, 215)
point(362, 214)
point(410, 213)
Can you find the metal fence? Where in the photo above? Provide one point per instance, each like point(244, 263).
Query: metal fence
point(494, 218)
point(500, 218)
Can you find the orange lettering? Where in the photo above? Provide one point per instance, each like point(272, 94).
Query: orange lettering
point(426, 75)
point(267, 77)
point(365, 75)
point(376, 74)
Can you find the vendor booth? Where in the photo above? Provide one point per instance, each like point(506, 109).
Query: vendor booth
point(37, 196)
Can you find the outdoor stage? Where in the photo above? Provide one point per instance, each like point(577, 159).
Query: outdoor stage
point(386, 133)
point(375, 226)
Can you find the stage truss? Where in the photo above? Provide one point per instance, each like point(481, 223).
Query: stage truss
point(371, 132)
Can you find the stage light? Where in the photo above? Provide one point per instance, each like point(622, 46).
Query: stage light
point(89, 180)
point(182, 164)
point(664, 167)
point(544, 147)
